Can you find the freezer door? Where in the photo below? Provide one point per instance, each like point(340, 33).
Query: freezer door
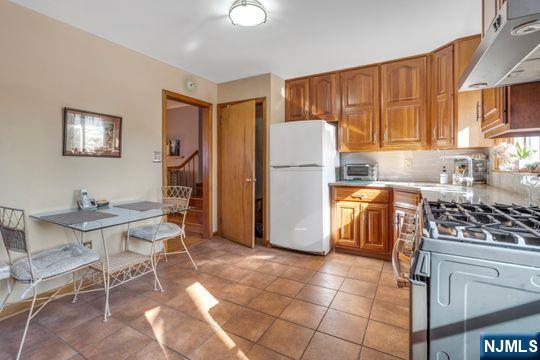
point(301, 143)
point(300, 209)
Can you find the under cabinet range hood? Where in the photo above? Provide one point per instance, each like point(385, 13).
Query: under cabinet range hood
point(509, 53)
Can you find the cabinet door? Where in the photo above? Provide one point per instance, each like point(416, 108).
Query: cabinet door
point(493, 108)
point(360, 106)
point(467, 104)
point(324, 97)
point(347, 223)
point(404, 102)
point(442, 98)
point(374, 228)
point(489, 11)
point(296, 100)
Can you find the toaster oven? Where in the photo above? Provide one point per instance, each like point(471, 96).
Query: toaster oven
point(364, 171)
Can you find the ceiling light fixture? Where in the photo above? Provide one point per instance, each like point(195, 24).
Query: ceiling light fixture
point(247, 13)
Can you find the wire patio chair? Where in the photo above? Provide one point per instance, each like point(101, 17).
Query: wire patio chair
point(35, 268)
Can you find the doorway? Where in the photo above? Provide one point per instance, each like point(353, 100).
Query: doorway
point(242, 171)
point(187, 156)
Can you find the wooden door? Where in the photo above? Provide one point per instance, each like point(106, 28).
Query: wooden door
point(360, 99)
point(297, 100)
point(324, 97)
point(374, 225)
point(237, 172)
point(442, 98)
point(404, 103)
point(347, 223)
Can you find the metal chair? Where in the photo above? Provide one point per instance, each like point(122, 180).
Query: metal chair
point(33, 269)
point(5, 274)
point(175, 197)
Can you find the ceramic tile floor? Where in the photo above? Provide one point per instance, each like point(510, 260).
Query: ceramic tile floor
point(260, 303)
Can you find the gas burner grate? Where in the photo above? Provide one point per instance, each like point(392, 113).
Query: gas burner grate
point(498, 224)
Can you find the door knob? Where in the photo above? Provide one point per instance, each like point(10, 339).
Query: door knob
point(249, 180)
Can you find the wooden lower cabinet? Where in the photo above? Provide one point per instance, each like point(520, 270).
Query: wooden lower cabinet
point(361, 227)
point(347, 215)
point(374, 228)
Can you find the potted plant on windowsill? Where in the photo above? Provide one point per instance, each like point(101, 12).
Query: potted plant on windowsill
point(505, 153)
point(523, 154)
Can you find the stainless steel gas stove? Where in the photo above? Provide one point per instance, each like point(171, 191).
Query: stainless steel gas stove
point(475, 269)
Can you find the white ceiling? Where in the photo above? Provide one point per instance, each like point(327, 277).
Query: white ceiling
point(301, 37)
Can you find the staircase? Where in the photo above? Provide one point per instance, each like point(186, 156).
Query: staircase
point(195, 217)
point(185, 174)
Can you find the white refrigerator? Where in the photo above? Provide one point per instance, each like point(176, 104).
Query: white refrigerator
point(303, 161)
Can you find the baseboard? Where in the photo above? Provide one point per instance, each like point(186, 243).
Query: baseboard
point(11, 310)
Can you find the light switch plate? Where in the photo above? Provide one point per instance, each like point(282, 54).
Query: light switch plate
point(157, 157)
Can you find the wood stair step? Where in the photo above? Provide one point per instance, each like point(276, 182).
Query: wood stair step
point(195, 216)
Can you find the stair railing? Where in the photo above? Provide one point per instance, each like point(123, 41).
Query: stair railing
point(186, 173)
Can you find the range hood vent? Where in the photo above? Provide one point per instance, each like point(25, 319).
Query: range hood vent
point(509, 53)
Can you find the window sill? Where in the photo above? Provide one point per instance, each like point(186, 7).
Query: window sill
point(516, 172)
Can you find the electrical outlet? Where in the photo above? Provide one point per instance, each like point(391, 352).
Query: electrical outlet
point(409, 163)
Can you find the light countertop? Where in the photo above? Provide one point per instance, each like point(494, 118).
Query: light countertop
point(434, 191)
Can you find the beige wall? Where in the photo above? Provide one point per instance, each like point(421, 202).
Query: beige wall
point(268, 86)
point(46, 65)
point(183, 124)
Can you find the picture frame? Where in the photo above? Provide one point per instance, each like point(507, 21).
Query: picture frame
point(91, 134)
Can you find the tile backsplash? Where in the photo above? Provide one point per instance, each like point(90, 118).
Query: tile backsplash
point(408, 165)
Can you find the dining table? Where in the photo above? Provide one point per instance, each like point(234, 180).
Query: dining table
point(119, 267)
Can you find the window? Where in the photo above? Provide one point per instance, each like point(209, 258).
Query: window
point(518, 154)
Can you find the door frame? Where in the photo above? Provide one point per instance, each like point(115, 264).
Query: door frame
point(261, 100)
point(207, 150)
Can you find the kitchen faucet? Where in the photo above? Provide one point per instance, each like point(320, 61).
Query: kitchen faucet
point(468, 179)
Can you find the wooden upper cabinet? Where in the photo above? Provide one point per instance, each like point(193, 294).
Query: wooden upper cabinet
point(403, 120)
point(467, 104)
point(493, 108)
point(360, 109)
point(442, 97)
point(493, 100)
point(347, 223)
point(297, 100)
point(374, 228)
point(489, 11)
point(324, 97)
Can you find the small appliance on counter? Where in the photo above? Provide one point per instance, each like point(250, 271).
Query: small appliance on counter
point(479, 169)
point(469, 169)
point(362, 172)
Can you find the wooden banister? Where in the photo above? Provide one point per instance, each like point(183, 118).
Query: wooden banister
point(186, 160)
point(186, 173)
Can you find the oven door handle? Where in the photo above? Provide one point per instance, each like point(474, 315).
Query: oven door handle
point(401, 281)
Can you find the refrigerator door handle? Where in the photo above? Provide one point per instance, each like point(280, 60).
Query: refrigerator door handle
point(309, 165)
point(281, 166)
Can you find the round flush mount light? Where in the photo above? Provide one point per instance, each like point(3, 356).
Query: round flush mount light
point(478, 85)
point(527, 28)
point(247, 13)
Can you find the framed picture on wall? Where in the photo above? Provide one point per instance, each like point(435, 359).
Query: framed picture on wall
point(88, 133)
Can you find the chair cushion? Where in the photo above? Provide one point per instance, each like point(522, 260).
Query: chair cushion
point(166, 230)
point(54, 262)
point(4, 271)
